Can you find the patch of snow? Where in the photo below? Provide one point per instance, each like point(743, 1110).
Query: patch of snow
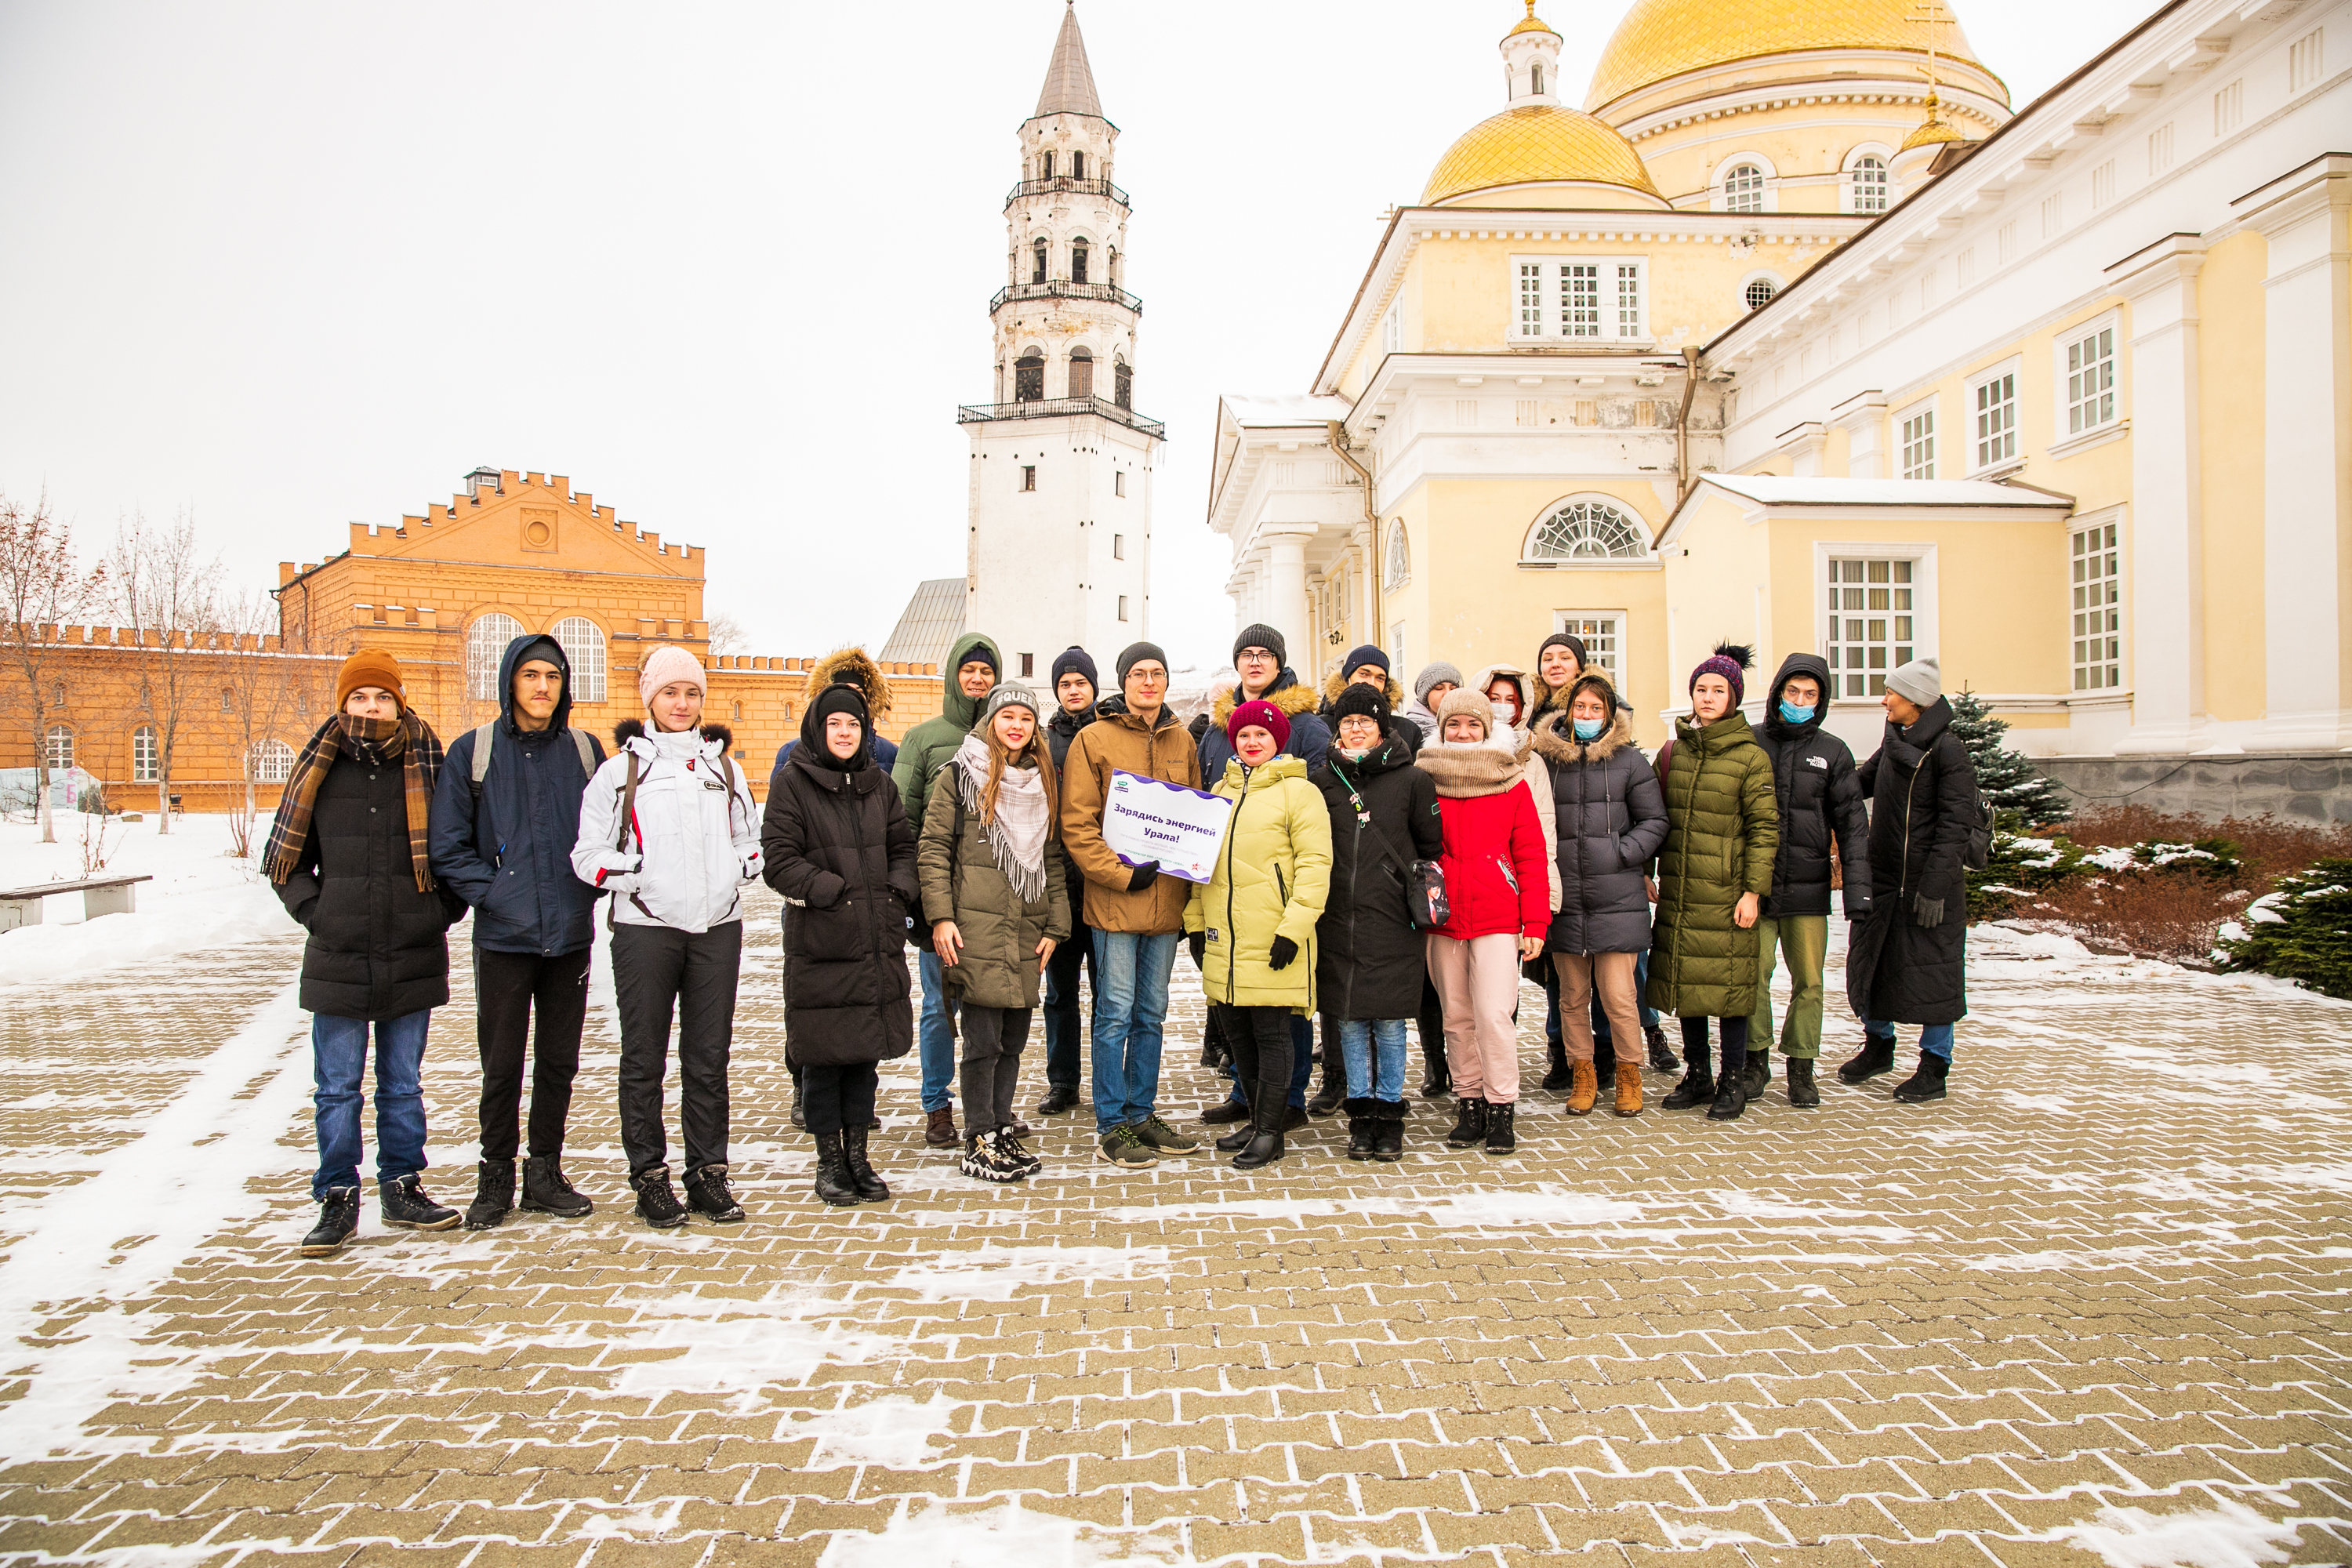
point(659, 1519)
point(1004, 1537)
point(736, 1348)
point(1545, 1205)
point(994, 1273)
point(894, 1432)
point(2229, 1536)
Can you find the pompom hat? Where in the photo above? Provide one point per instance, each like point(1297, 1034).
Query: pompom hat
point(1260, 716)
point(1730, 661)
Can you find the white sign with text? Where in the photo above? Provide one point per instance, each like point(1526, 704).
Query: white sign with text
point(1145, 819)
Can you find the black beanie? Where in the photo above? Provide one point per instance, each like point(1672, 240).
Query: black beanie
point(1569, 641)
point(840, 698)
point(1265, 636)
point(981, 653)
point(1135, 653)
point(1361, 657)
point(1076, 659)
point(1370, 701)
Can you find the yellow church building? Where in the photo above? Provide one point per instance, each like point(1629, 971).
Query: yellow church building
point(1798, 333)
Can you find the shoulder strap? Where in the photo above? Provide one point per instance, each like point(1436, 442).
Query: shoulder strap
point(1666, 760)
point(587, 750)
point(628, 802)
point(1388, 845)
point(482, 736)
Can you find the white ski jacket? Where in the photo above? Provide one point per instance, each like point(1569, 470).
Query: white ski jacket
point(694, 842)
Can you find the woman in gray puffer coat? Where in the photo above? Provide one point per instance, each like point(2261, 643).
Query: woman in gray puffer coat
point(1610, 817)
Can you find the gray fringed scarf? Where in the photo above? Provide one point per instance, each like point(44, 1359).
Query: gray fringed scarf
point(1017, 838)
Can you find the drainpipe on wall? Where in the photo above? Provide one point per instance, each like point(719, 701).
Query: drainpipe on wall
point(1682, 427)
point(1338, 432)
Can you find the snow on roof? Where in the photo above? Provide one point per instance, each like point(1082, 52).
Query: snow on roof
point(1286, 408)
point(932, 620)
point(1776, 489)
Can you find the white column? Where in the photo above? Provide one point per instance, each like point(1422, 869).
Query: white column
point(2307, 424)
point(1367, 590)
point(1286, 607)
point(2164, 533)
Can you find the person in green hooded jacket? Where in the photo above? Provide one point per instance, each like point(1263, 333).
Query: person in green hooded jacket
point(973, 668)
point(1722, 835)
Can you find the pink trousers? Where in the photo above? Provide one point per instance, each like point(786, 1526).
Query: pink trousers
point(1478, 985)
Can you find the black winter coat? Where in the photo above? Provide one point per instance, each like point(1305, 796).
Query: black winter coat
point(1923, 794)
point(1820, 796)
point(509, 854)
point(378, 949)
point(1060, 730)
point(1369, 960)
point(837, 846)
point(1310, 737)
point(1610, 817)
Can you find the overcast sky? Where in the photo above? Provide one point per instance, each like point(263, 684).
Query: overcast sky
point(727, 266)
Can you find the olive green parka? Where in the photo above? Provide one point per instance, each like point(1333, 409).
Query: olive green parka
point(1273, 878)
point(955, 863)
point(1722, 835)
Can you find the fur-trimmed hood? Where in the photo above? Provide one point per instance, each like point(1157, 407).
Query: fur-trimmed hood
point(1556, 742)
point(628, 729)
point(1335, 683)
point(853, 667)
point(1286, 693)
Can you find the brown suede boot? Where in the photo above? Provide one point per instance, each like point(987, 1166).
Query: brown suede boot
point(940, 1131)
point(1583, 1088)
point(1629, 1089)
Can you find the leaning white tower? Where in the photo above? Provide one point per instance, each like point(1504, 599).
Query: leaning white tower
point(1060, 547)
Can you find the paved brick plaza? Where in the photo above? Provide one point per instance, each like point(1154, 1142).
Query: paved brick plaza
point(2090, 1309)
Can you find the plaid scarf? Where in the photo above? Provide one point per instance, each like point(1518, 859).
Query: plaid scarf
point(408, 738)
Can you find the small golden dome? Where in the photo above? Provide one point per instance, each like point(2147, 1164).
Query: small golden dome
point(1932, 129)
point(1662, 38)
point(1530, 24)
point(1537, 144)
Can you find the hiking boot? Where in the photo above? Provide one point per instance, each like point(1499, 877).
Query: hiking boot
point(1927, 1083)
point(1059, 1099)
point(858, 1169)
point(1122, 1148)
point(1697, 1088)
point(546, 1189)
point(707, 1194)
point(1583, 1089)
point(1731, 1098)
point(657, 1203)
point(402, 1202)
point(1015, 1149)
point(1662, 1056)
point(940, 1130)
point(832, 1174)
point(1500, 1137)
point(984, 1159)
point(1470, 1126)
point(1225, 1111)
point(1877, 1056)
point(1162, 1138)
point(1629, 1089)
point(1757, 1078)
point(494, 1192)
point(1802, 1090)
point(1388, 1132)
point(338, 1220)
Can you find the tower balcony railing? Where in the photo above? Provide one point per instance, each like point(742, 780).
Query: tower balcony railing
point(1073, 187)
point(1058, 408)
point(1063, 289)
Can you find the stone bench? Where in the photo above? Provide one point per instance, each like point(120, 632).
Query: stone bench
point(100, 896)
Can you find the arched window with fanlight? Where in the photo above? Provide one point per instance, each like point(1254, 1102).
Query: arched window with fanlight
point(486, 644)
point(1082, 373)
point(271, 761)
point(1079, 250)
point(1743, 189)
point(1396, 557)
point(1037, 254)
point(60, 748)
point(146, 758)
point(1587, 527)
point(1029, 378)
point(583, 648)
point(1867, 184)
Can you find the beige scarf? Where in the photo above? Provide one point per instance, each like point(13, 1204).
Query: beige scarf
point(1017, 838)
point(1463, 772)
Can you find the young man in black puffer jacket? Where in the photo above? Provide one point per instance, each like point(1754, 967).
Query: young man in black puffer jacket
point(1077, 688)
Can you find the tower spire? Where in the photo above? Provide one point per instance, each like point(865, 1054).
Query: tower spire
point(1069, 81)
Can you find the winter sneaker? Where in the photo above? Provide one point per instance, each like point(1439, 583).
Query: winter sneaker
point(1759, 1075)
point(1802, 1090)
point(1388, 1133)
point(1731, 1098)
point(1877, 1056)
point(1059, 1099)
point(546, 1189)
point(1662, 1056)
point(940, 1131)
point(1697, 1088)
point(1500, 1138)
point(494, 1192)
point(1629, 1089)
point(1163, 1139)
point(338, 1220)
point(707, 1194)
point(1927, 1083)
point(1020, 1153)
point(1583, 1089)
point(984, 1159)
point(404, 1201)
point(1470, 1128)
point(657, 1203)
point(1327, 1099)
point(832, 1174)
point(1225, 1111)
point(857, 1169)
point(1122, 1148)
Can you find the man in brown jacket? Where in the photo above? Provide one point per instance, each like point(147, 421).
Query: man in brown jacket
point(1136, 914)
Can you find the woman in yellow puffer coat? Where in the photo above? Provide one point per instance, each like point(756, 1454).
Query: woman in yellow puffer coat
point(1252, 924)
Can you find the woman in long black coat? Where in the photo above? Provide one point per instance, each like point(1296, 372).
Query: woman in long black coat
point(839, 848)
point(1907, 962)
point(1370, 968)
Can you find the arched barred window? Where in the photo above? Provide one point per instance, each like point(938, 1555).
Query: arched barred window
point(1743, 189)
point(146, 760)
point(1396, 565)
point(486, 643)
point(1587, 527)
point(583, 648)
point(272, 762)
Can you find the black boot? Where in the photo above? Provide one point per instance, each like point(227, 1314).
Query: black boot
point(1470, 1128)
point(1927, 1083)
point(1802, 1090)
point(1662, 1056)
point(546, 1189)
point(1731, 1098)
point(1697, 1088)
point(1556, 1069)
point(1436, 1081)
point(1362, 1128)
point(833, 1171)
point(1268, 1114)
point(1387, 1131)
point(1335, 1084)
point(1759, 1076)
point(799, 1116)
point(1877, 1056)
point(338, 1217)
point(402, 1202)
point(706, 1191)
point(1225, 1111)
point(1500, 1139)
point(860, 1170)
point(657, 1203)
point(1059, 1099)
point(494, 1192)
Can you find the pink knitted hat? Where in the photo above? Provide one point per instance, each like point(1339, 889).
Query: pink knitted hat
point(665, 664)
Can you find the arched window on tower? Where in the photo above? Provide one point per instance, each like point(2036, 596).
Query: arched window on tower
point(1082, 373)
point(1077, 165)
point(1743, 189)
point(1037, 254)
point(1029, 378)
point(1110, 265)
point(1046, 166)
point(1123, 383)
point(1535, 79)
point(1869, 183)
point(1078, 248)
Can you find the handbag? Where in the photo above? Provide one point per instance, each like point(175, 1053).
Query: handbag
point(1425, 880)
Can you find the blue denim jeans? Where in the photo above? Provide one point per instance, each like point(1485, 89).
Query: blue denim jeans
point(1374, 1051)
point(339, 1048)
point(1935, 1040)
point(935, 1037)
point(1131, 975)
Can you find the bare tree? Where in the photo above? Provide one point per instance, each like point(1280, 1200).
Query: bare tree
point(41, 589)
point(165, 590)
point(726, 636)
point(261, 694)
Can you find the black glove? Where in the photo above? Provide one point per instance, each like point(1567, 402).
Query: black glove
point(1198, 942)
point(1926, 911)
point(1144, 876)
point(1279, 955)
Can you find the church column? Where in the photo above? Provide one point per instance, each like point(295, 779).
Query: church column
point(1286, 607)
point(1367, 589)
point(2164, 532)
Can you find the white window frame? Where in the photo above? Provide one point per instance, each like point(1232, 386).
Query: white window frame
point(1849, 187)
point(1392, 329)
point(57, 748)
point(1767, 194)
point(146, 756)
point(1543, 295)
point(2065, 402)
point(1925, 408)
point(1978, 465)
point(486, 636)
point(1603, 632)
point(1396, 649)
point(2095, 650)
point(1647, 558)
point(1926, 629)
point(271, 761)
point(588, 651)
point(1396, 557)
point(1759, 275)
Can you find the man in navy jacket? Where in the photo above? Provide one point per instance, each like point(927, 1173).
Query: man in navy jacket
point(502, 834)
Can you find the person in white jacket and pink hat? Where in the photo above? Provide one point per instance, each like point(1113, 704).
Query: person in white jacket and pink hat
point(669, 830)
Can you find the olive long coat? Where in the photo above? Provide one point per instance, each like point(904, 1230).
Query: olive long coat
point(1372, 961)
point(998, 964)
point(1722, 835)
point(1273, 878)
point(1923, 792)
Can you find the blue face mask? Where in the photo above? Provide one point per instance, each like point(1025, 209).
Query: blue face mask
point(1590, 729)
point(1794, 714)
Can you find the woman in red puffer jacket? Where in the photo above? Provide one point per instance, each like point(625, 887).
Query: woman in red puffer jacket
point(1498, 893)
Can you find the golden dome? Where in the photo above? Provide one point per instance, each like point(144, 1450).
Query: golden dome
point(1537, 144)
point(1530, 24)
point(1931, 130)
point(1662, 38)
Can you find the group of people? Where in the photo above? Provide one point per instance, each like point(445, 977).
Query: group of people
point(1384, 864)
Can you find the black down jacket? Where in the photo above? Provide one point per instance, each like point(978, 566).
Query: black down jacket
point(1610, 817)
point(1368, 962)
point(1820, 797)
point(378, 949)
point(837, 847)
point(1923, 804)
